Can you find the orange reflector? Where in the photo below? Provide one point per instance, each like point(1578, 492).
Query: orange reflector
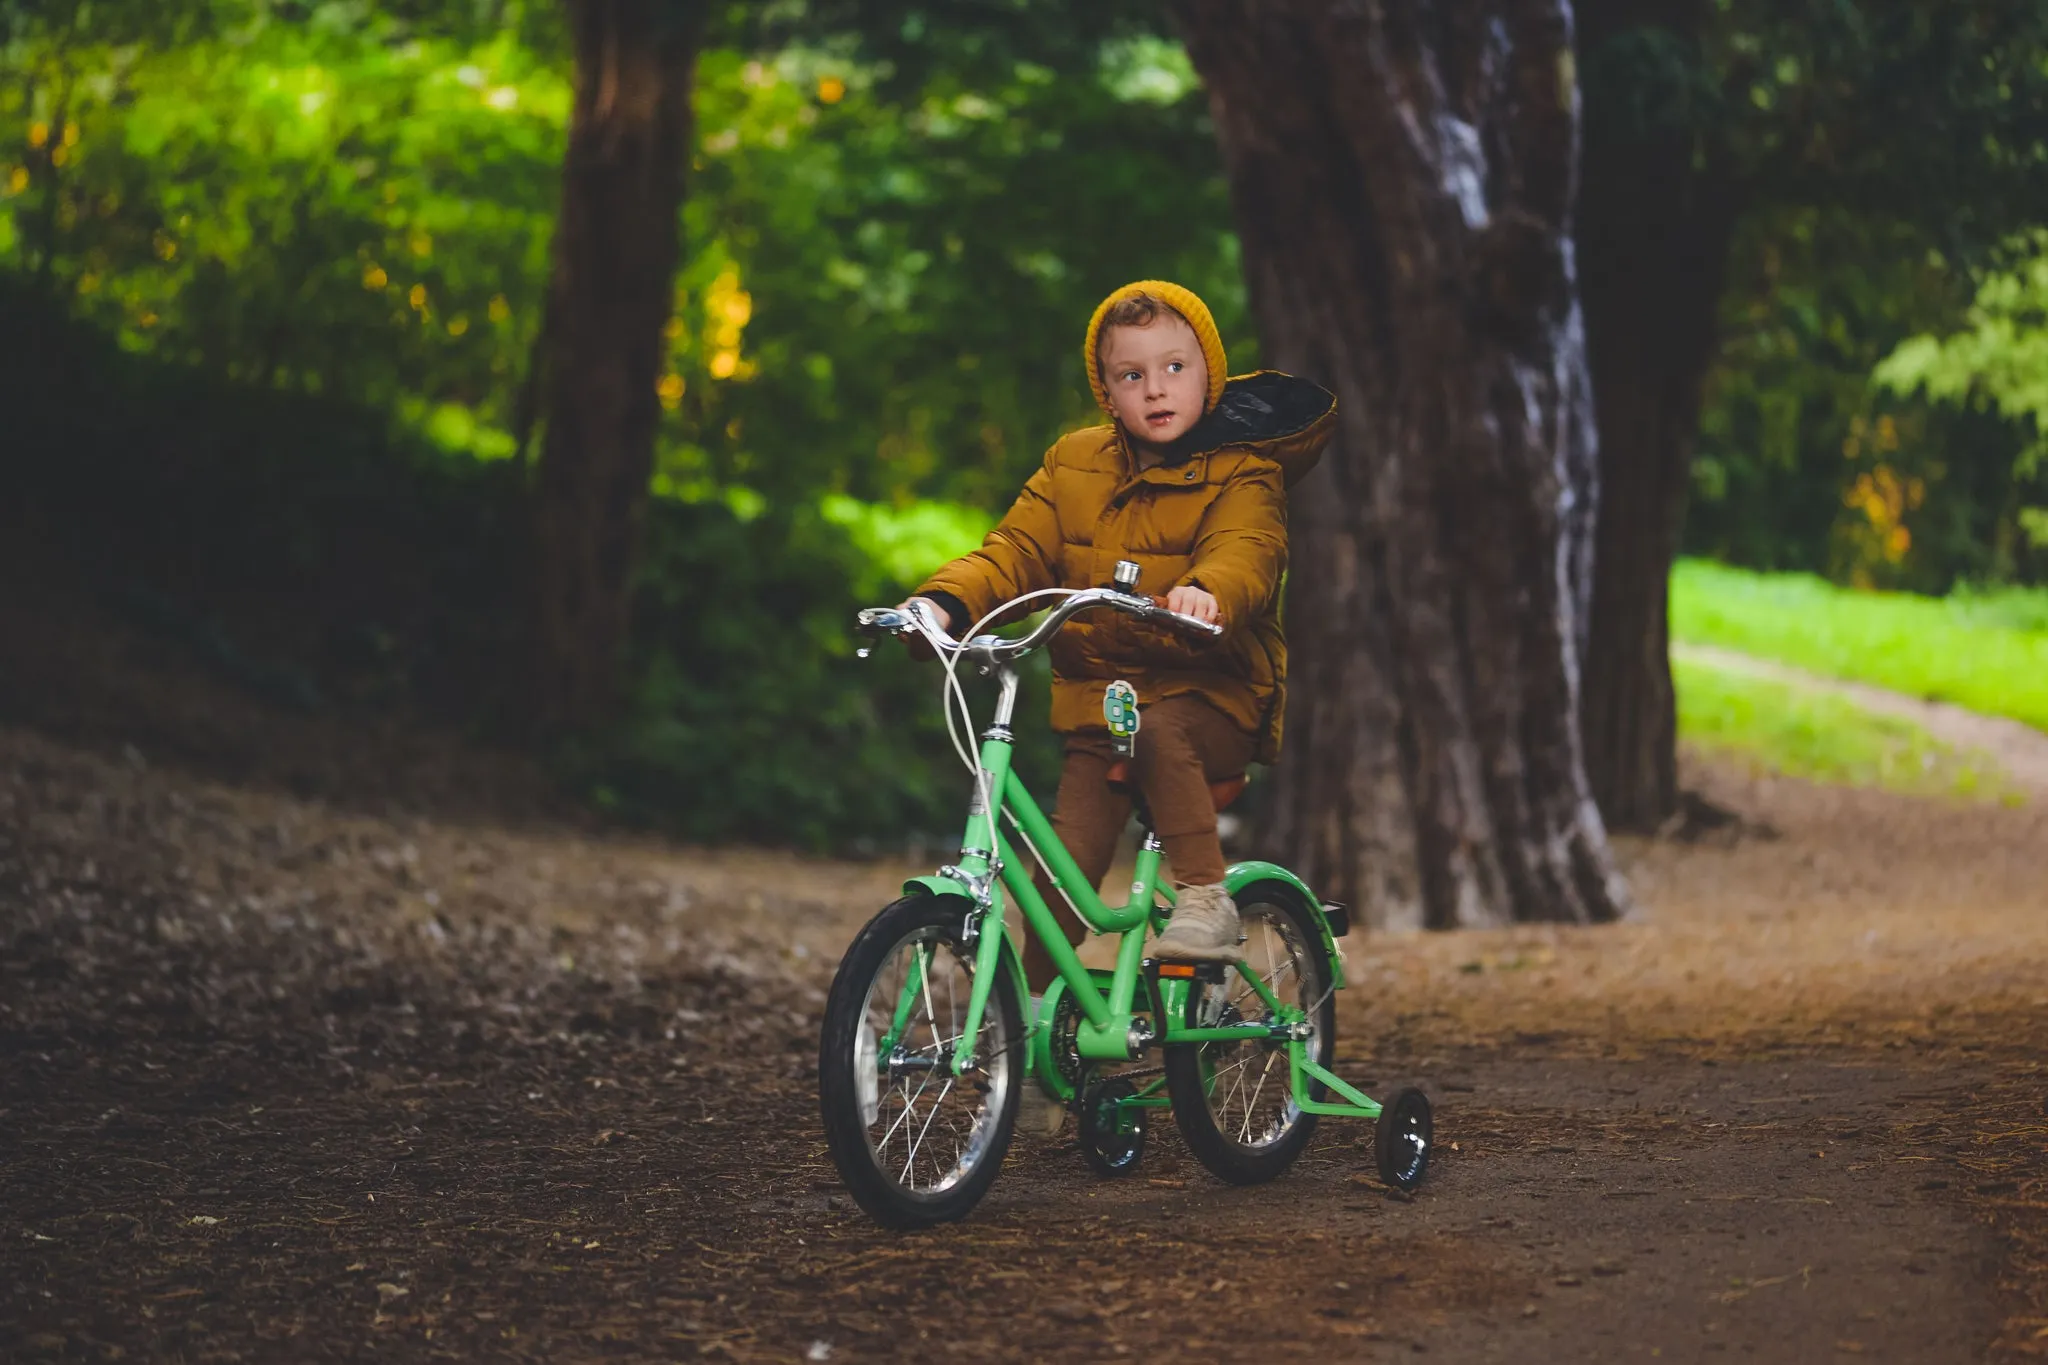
point(1186, 969)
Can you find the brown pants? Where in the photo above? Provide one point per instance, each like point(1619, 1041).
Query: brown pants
point(1183, 745)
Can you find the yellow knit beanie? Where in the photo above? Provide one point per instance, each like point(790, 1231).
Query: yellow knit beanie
point(1183, 301)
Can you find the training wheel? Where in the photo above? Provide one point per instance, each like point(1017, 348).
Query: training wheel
point(1401, 1141)
point(1112, 1133)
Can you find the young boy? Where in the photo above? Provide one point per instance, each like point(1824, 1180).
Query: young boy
point(1189, 480)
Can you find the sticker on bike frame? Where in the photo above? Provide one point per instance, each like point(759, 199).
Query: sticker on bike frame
point(1120, 714)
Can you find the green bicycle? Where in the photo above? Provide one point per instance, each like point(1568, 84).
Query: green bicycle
point(926, 1048)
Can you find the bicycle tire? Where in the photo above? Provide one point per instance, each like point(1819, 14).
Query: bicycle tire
point(899, 1199)
point(1245, 1157)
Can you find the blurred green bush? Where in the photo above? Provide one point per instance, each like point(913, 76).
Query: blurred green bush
point(274, 272)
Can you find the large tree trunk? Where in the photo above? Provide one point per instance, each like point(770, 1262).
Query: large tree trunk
point(1655, 220)
point(610, 295)
point(1403, 180)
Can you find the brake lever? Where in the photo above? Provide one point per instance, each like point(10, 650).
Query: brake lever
point(1182, 621)
point(882, 620)
point(875, 621)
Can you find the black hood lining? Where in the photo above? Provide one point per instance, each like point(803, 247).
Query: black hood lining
point(1265, 406)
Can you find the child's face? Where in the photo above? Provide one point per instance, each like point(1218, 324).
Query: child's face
point(1156, 378)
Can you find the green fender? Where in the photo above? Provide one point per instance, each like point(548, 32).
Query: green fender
point(1238, 876)
point(936, 885)
point(944, 887)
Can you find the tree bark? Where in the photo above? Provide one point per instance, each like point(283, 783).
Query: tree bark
point(1403, 178)
point(1656, 218)
point(610, 294)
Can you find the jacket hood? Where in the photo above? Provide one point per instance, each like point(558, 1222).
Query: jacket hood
point(1285, 419)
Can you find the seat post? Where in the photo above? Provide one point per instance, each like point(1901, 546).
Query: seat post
point(1141, 809)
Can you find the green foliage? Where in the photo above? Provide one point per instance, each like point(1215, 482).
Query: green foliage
point(324, 208)
point(918, 268)
point(1923, 115)
point(2001, 358)
point(301, 526)
point(1874, 156)
point(367, 572)
point(878, 333)
point(752, 717)
point(275, 269)
point(1999, 361)
point(1806, 462)
point(1984, 651)
point(1802, 463)
point(1783, 728)
point(319, 235)
point(903, 545)
point(761, 723)
point(885, 284)
point(914, 43)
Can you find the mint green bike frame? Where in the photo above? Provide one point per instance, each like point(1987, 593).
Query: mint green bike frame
point(1109, 1005)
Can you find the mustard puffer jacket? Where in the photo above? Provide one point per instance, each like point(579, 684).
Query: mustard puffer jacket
point(1214, 515)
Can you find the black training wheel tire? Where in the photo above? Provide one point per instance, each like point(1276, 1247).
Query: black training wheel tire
point(875, 1184)
point(1402, 1139)
point(1112, 1135)
point(1251, 1148)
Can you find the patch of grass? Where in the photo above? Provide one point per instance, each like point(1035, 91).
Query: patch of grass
point(1786, 729)
point(1984, 651)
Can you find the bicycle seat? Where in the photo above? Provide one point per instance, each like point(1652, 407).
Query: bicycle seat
point(1222, 793)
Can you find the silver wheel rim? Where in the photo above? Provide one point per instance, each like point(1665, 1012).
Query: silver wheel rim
point(1251, 1100)
point(927, 1129)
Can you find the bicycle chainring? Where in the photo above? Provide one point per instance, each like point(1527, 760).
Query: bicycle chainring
point(1064, 1043)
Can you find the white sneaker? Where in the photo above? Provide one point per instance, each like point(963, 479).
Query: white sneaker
point(1038, 1112)
point(1204, 927)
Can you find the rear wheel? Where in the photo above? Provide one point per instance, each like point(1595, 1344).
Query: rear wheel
point(1112, 1130)
point(1402, 1139)
point(915, 1143)
point(1234, 1102)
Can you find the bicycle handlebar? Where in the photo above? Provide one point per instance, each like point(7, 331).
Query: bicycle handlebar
point(997, 650)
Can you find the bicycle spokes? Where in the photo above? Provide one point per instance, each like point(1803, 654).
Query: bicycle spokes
point(928, 1126)
point(1248, 1082)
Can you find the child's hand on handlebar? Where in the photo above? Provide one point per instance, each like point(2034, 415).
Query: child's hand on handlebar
point(939, 613)
point(1190, 600)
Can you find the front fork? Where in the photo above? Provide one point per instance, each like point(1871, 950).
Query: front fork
point(988, 955)
point(985, 922)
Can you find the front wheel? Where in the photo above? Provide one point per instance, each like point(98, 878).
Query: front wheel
point(915, 1143)
point(1234, 1102)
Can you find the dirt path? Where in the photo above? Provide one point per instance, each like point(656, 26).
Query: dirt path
point(2020, 749)
point(280, 1081)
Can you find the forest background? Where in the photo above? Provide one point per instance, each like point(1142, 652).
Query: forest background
point(273, 279)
